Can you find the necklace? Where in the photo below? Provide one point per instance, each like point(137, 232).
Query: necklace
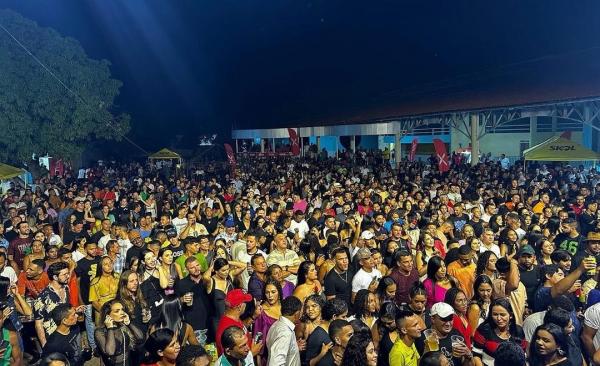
point(345, 278)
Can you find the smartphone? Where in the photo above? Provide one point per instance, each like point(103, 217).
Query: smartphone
point(258, 337)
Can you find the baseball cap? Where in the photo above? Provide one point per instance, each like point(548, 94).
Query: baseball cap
point(171, 233)
point(363, 253)
point(441, 309)
point(237, 297)
point(367, 235)
point(526, 249)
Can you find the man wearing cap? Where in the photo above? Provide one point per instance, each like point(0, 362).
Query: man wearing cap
point(229, 235)
point(367, 276)
point(235, 304)
point(592, 249)
point(528, 272)
point(442, 315)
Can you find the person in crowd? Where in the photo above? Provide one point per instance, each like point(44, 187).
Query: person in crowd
point(384, 332)
point(150, 283)
point(529, 272)
point(338, 282)
point(118, 340)
point(404, 351)
point(463, 269)
point(57, 292)
point(434, 358)
point(549, 346)
point(508, 285)
point(65, 339)
point(161, 348)
point(457, 299)
point(479, 307)
point(168, 271)
point(308, 282)
point(104, 286)
point(313, 327)
point(360, 351)
point(510, 353)
point(562, 318)
point(281, 343)
point(271, 310)
point(192, 355)
point(235, 305)
point(130, 295)
point(404, 273)
point(366, 307)
point(367, 277)
point(499, 327)
point(437, 281)
point(171, 316)
point(286, 258)
point(220, 284)
point(258, 278)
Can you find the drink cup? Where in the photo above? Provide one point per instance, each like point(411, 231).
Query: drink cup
point(591, 272)
point(190, 296)
point(457, 341)
point(431, 340)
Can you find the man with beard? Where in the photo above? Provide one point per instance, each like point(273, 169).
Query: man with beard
point(592, 249)
point(404, 274)
point(194, 299)
point(529, 272)
point(442, 315)
point(85, 271)
point(338, 282)
point(570, 239)
point(56, 293)
point(19, 246)
point(243, 252)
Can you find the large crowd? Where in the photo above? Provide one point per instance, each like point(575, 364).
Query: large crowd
point(303, 261)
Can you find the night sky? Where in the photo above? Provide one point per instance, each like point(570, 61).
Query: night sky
point(200, 67)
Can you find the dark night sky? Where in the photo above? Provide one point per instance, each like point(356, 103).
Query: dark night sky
point(195, 66)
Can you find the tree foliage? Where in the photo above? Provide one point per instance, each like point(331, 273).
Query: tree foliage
point(38, 114)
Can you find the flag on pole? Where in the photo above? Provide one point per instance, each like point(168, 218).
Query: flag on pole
point(413, 150)
point(231, 159)
point(295, 142)
point(442, 155)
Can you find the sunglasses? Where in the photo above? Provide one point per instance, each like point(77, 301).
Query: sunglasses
point(447, 319)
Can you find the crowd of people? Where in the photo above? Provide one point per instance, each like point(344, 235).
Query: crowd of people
point(303, 261)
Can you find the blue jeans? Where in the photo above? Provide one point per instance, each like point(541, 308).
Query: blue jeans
point(90, 326)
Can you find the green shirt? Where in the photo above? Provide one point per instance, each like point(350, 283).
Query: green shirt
point(403, 355)
point(199, 256)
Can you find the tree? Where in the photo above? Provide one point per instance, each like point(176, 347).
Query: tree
point(38, 114)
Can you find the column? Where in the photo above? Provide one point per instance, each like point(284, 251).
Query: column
point(318, 145)
point(236, 146)
point(353, 144)
point(273, 144)
point(398, 148)
point(262, 145)
point(474, 139)
point(532, 130)
point(301, 145)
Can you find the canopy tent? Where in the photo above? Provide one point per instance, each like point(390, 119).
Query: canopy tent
point(559, 148)
point(8, 171)
point(165, 154)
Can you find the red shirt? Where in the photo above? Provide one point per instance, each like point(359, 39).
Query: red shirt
point(465, 331)
point(225, 323)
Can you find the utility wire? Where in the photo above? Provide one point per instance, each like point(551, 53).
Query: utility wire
point(78, 96)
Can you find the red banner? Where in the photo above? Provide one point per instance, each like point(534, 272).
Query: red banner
point(442, 155)
point(413, 150)
point(295, 141)
point(231, 158)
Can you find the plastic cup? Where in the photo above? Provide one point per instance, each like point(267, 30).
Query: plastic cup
point(431, 340)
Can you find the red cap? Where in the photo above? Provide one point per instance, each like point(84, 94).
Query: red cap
point(237, 297)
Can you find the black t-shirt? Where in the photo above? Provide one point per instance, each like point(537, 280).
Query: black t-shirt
point(477, 227)
point(574, 245)
point(339, 285)
point(197, 314)
point(67, 344)
point(71, 236)
point(459, 221)
point(177, 251)
point(134, 252)
point(445, 347)
point(210, 224)
point(577, 261)
point(531, 281)
point(85, 271)
point(315, 342)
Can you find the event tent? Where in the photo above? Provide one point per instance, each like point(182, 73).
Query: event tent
point(8, 171)
point(559, 148)
point(165, 154)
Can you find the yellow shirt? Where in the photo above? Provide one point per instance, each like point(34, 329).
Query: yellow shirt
point(104, 289)
point(403, 355)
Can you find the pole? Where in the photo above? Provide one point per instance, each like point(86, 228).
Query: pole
point(474, 139)
point(398, 148)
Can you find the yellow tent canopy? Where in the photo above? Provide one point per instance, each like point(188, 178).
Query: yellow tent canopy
point(165, 154)
point(558, 148)
point(8, 171)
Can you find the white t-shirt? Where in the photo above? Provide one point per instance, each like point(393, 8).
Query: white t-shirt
point(179, 224)
point(9, 273)
point(362, 279)
point(495, 248)
point(532, 322)
point(302, 227)
point(592, 320)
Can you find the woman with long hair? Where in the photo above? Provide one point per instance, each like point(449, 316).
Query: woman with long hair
point(384, 332)
point(219, 284)
point(150, 283)
point(171, 317)
point(426, 251)
point(130, 295)
point(168, 272)
point(499, 327)
point(313, 328)
point(486, 264)
point(544, 248)
point(386, 290)
point(104, 286)
point(37, 252)
point(308, 281)
point(117, 338)
point(162, 348)
point(480, 304)
point(549, 346)
point(510, 245)
point(365, 307)
point(438, 281)
point(274, 272)
point(456, 298)
point(360, 351)
point(270, 313)
point(418, 304)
